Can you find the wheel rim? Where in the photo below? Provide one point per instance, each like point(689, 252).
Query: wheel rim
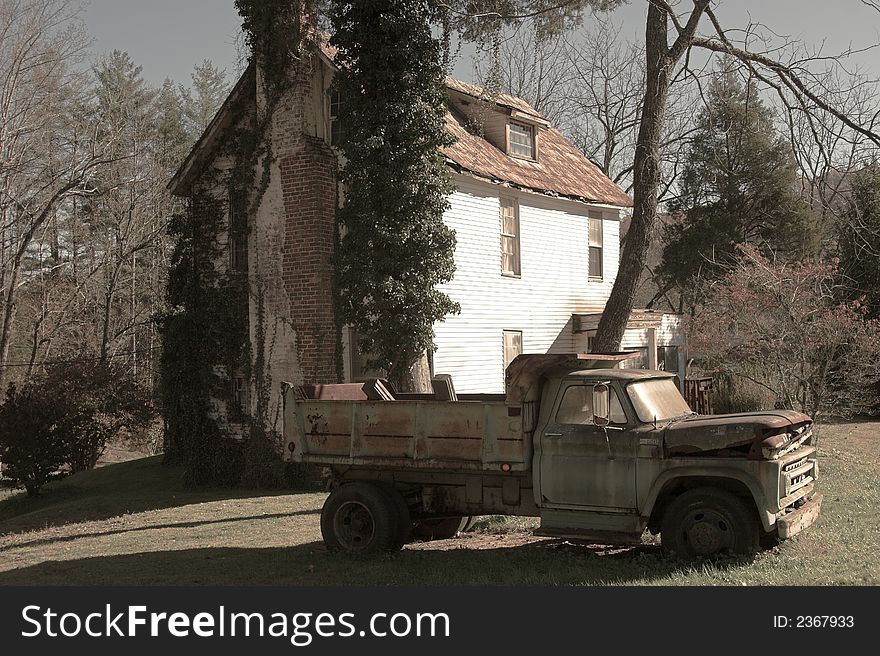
point(354, 526)
point(707, 531)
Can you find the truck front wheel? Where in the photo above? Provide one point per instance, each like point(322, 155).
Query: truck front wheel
point(707, 522)
point(359, 518)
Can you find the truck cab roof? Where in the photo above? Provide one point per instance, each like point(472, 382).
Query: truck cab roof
point(624, 375)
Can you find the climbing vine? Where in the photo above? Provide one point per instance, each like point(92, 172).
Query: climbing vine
point(206, 332)
point(395, 248)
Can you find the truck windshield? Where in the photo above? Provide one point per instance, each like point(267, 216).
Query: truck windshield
point(658, 399)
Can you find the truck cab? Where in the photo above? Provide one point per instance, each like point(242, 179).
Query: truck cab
point(619, 450)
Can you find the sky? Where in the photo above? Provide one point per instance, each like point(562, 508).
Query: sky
point(169, 37)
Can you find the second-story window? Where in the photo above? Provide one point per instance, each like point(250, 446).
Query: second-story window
point(521, 140)
point(510, 259)
point(238, 237)
point(596, 248)
point(337, 134)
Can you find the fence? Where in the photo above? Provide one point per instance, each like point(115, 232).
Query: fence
point(698, 394)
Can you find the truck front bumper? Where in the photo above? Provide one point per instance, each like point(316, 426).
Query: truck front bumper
point(797, 520)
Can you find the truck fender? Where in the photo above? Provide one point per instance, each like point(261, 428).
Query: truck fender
point(670, 475)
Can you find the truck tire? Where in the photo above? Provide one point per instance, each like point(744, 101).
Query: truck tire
point(440, 528)
point(404, 520)
point(360, 519)
point(709, 521)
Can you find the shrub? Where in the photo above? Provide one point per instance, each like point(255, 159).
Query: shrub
point(784, 327)
point(733, 394)
point(63, 420)
point(33, 436)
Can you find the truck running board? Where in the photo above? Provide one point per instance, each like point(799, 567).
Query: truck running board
point(594, 537)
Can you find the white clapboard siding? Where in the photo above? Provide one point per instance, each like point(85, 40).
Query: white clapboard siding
point(553, 286)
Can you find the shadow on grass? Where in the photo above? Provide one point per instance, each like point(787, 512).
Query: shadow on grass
point(129, 487)
point(539, 563)
point(154, 527)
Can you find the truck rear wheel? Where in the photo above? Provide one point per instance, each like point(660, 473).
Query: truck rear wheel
point(441, 528)
point(404, 521)
point(359, 518)
point(707, 522)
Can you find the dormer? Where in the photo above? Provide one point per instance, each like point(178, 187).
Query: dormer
point(506, 122)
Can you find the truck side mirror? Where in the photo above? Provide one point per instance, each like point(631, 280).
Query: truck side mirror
point(601, 404)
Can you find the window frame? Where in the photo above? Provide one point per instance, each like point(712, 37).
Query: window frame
point(334, 136)
point(240, 399)
point(516, 236)
point(612, 390)
point(237, 235)
point(533, 132)
point(514, 334)
point(595, 219)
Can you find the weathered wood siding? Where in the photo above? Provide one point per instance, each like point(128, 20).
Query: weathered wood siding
point(554, 282)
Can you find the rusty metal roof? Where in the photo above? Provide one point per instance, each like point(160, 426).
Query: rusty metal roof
point(561, 169)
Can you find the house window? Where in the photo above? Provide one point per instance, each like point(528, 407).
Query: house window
point(595, 254)
point(240, 401)
point(337, 134)
point(513, 346)
point(521, 140)
point(667, 358)
point(510, 260)
point(238, 241)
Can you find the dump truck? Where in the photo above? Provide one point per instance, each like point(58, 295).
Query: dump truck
point(598, 452)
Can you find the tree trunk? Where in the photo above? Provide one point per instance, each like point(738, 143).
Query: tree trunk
point(646, 183)
point(417, 379)
point(9, 308)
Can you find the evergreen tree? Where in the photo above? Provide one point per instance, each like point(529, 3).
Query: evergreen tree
point(203, 99)
point(738, 187)
point(173, 140)
point(396, 248)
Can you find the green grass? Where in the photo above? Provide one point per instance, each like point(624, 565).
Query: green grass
point(136, 524)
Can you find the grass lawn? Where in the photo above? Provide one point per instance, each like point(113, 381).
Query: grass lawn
point(135, 524)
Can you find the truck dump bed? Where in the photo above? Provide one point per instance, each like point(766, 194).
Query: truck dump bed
point(404, 433)
point(368, 425)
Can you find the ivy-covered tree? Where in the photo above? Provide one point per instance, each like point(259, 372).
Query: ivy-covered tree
point(738, 187)
point(395, 249)
point(859, 239)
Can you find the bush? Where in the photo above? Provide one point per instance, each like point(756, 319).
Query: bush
point(785, 326)
point(733, 394)
point(32, 437)
point(64, 419)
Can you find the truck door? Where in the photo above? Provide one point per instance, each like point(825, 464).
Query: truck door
point(578, 467)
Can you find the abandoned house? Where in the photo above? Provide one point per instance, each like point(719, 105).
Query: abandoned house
point(537, 226)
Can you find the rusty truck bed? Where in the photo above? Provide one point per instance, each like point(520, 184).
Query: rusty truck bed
point(424, 434)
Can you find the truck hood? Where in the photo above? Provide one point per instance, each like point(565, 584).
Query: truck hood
point(759, 434)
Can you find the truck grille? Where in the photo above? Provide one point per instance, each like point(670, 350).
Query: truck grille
point(796, 475)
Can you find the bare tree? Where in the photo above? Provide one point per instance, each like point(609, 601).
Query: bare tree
point(47, 153)
point(782, 68)
point(590, 84)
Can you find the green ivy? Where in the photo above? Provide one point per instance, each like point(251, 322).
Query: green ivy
point(395, 248)
point(206, 335)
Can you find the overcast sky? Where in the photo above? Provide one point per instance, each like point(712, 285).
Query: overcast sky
point(169, 37)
